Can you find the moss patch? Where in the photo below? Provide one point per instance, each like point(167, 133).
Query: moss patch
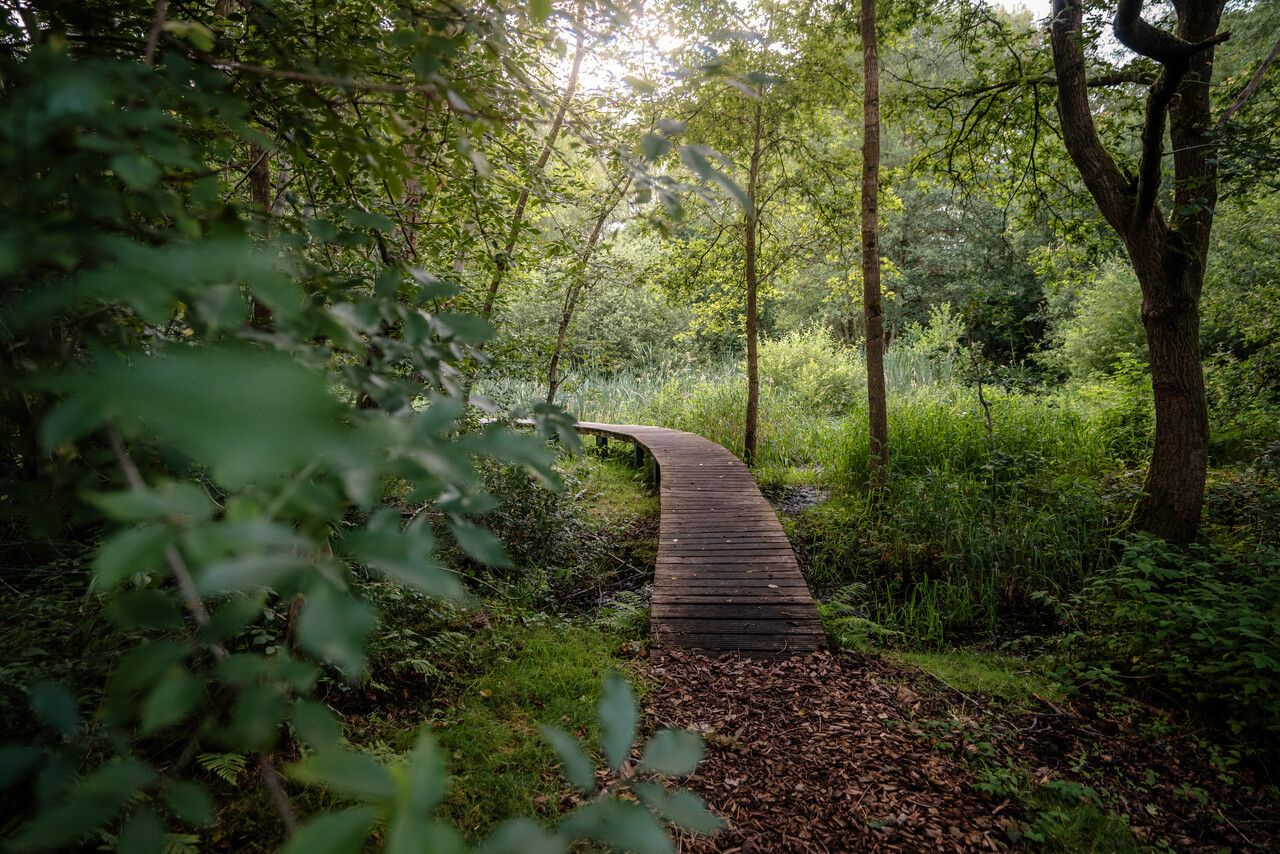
point(971, 672)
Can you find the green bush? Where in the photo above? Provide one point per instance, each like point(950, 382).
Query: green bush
point(1105, 331)
point(818, 373)
point(1194, 623)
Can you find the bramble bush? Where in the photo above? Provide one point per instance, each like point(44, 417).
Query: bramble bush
point(1195, 623)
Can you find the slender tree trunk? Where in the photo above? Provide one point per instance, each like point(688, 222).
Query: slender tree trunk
point(579, 283)
point(750, 233)
point(872, 307)
point(260, 317)
point(548, 145)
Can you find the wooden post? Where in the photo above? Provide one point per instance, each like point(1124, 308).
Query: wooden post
point(602, 445)
point(639, 450)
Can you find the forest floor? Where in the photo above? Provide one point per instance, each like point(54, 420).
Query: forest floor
point(852, 752)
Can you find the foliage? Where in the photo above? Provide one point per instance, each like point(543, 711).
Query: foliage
point(1105, 331)
point(805, 365)
point(1196, 623)
point(221, 386)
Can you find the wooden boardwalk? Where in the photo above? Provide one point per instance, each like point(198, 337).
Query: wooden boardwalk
point(727, 578)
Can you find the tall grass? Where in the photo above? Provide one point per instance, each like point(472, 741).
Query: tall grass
point(976, 520)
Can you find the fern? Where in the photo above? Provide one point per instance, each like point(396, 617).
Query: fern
point(224, 766)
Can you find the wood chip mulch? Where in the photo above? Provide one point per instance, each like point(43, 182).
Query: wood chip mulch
point(843, 753)
point(814, 753)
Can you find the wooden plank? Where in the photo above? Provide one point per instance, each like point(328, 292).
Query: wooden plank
point(696, 626)
point(746, 643)
point(752, 610)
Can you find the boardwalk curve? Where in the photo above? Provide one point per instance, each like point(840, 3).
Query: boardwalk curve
point(726, 578)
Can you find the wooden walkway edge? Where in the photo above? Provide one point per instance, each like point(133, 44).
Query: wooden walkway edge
point(727, 579)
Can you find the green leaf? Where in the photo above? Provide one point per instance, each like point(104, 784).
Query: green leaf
point(672, 752)
point(16, 762)
point(205, 401)
point(479, 544)
point(316, 724)
point(145, 609)
point(639, 85)
point(200, 36)
point(410, 833)
point(170, 701)
point(341, 832)
point(249, 572)
point(129, 551)
point(621, 824)
point(522, 836)
point(654, 146)
point(55, 706)
point(256, 719)
point(427, 776)
point(177, 500)
point(334, 627)
point(92, 802)
point(346, 772)
point(137, 172)
point(369, 219)
point(142, 833)
point(232, 618)
point(430, 287)
point(190, 802)
point(140, 667)
point(578, 768)
point(618, 719)
point(539, 11)
point(403, 555)
point(680, 807)
point(467, 328)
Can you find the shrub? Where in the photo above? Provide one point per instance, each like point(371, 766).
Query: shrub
point(1194, 623)
point(817, 373)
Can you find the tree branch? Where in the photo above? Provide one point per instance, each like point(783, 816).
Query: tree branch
point(1255, 82)
point(1106, 183)
point(1154, 43)
point(1175, 55)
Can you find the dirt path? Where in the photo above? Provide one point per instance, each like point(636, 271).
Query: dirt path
point(820, 753)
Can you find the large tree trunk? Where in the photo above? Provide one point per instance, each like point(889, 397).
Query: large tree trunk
point(1174, 489)
point(872, 307)
point(750, 234)
point(1168, 254)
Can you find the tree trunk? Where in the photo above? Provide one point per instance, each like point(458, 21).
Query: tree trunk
point(1168, 254)
point(579, 283)
point(503, 262)
point(260, 317)
point(750, 229)
point(1174, 490)
point(872, 307)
